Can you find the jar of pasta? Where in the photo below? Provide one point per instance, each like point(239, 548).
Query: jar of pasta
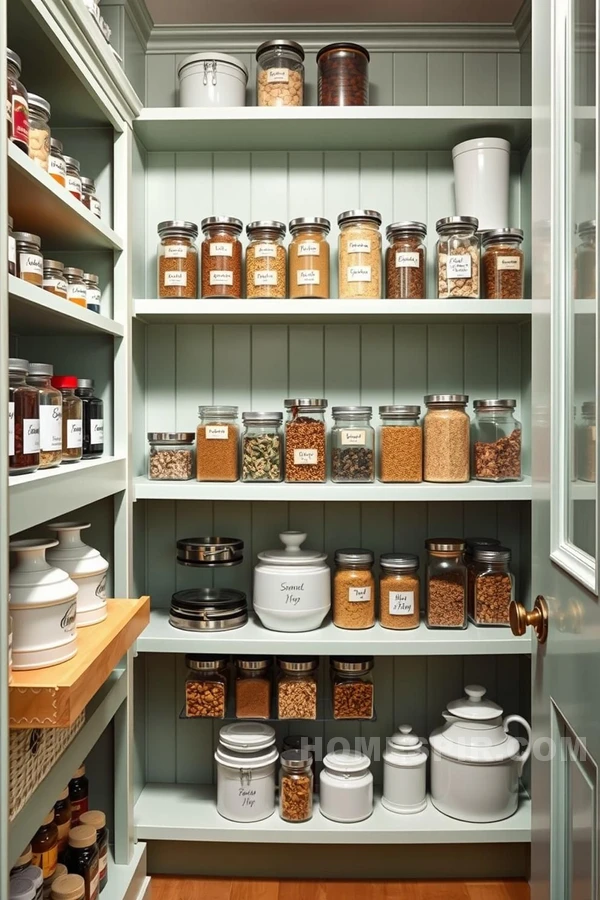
point(221, 257)
point(279, 74)
point(39, 130)
point(405, 261)
point(265, 260)
point(177, 259)
point(359, 254)
point(73, 176)
point(354, 589)
point(309, 258)
point(399, 590)
point(57, 167)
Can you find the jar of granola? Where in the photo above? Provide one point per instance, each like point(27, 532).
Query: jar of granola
point(457, 257)
point(359, 254)
point(177, 259)
point(57, 167)
point(54, 278)
point(493, 585)
point(205, 686)
point(503, 264)
point(39, 130)
point(399, 591)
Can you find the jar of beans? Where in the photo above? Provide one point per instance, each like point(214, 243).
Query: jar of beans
point(39, 130)
point(457, 257)
point(89, 198)
point(359, 254)
point(585, 261)
point(503, 264)
point(29, 257)
point(405, 261)
point(297, 687)
point(177, 259)
point(309, 258)
point(354, 589)
point(57, 167)
point(73, 176)
point(446, 583)
point(16, 103)
point(343, 75)
point(266, 271)
point(54, 278)
point(493, 585)
point(400, 444)
point(217, 444)
point(352, 445)
point(23, 420)
point(352, 687)
point(496, 441)
point(305, 442)
point(446, 438)
point(221, 257)
point(399, 591)
point(280, 74)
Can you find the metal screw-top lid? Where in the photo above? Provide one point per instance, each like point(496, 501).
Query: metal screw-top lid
point(15, 59)
point(491, 554)
point(56, 145)
point(26, 237)
point(89, 276)
point(89, 184)
point(177, 227)
point(352, 412)
point(494, 404)
point(266, 225)
point(317, 223)
point(445, 545)
point(297, 663)
point(446, 399)
point(71, 161)
point(472, 542)
point(215, 412)
point(72, 272)
point(456, 223)
point(18, 365)
point(351, 556)
point(167, 437)
point(311, 404)
point(85, 383)
point(413, 229)
point(38, 103)
point(296, 759)
point(253, 663)
point(399, 562)
point(350, 215)
point(262, 418)
point(359, 665)
point(280, 44)
point(499, 234)
point(397, 411)
point(53, 264)
point(344, 45)
point(41, 369)
point(588, 227)
point(230, 221)
point(202, 662)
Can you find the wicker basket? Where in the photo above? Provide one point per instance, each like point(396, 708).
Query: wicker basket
point(33, 752)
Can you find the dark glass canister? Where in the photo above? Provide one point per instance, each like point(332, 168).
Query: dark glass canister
point(82, 858)
point(92, 409)
point(23, 420)
point(343, 75)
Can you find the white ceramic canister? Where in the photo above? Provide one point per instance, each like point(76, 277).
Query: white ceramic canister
point(43, 604)
point(475, 763)
point(212, 79)
point(404, 773)
point(346, 786)
point(246, 756)
point(87, 568)
point(292, 587)
point(481, 180)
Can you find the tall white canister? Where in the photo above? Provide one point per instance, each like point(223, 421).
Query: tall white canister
point(245, 757)
point(87, 568)
point(481, 180)
point(404, 772)
point(212, 79)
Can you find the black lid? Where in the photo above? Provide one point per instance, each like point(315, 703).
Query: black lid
point(472, 542)
point(201, 600)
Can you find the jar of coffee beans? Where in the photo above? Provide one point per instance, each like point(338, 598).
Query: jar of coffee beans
point(343, 75)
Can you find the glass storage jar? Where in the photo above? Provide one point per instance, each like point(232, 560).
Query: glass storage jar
point(12, 249)
point(97, 819)
point(17, 105)
point(50, 400)
point(262, 446)
point(471, 543)
point(503, 264)
point(57, 167)
point(399, 591)
point(253, 688)
point(496, 441)
point(92, 291)
point(54, 278)
point(586, 441)
point(446, 583)
point(305, 440)
point(221, 257)
point(296, 786)
point(23, 420)
point(400, 444)
point(405, 261)
point(76, 289)
point(44, 845)
point(457, 257)
point(297, 687)
point(354, 589)
point(308, 256)
point(352, 687)
point(352, 445)
point(171, 455)
point(89, 198)
point(343, 75)
point(206, 686)
point(279, 74)
point(39, 130)
point(177, 259)
point(29, 258)
point(62, 820)
point(493, 585)
point(217, 444)
point(83, 858)
point(72, 415)
point(585, 261)
point(73, 176)
point(79, 795)
point(302, 742)
point(446, 438)
point(93, 419)
point(359, 254)
point(266, 271)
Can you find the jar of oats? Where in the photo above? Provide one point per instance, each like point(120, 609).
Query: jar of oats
point(446, 438)
point(399, 590)
point(354, 589)
point(309, 258)
point(359, 254)
point(279, 74)
point(266, 275)
point(217, 444)
point(458, 257)
point(39, 130)
point(177, 259)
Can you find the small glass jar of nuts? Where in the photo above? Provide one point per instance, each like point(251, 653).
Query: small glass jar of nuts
point(458, 257)
point(206, 686)
point(280, 74)
point(171, 455)
point(352, 687)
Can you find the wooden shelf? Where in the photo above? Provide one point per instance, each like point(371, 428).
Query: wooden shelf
point(35, 311)
point(53, 697)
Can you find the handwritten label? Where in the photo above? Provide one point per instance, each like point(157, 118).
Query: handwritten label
point(216, 432)
point(92, 297)
point(308, 276)
point(459, 265)
point(293, 593)
point(74, 434)
point(74, 184)
point(51, 428)
point(401, 603)
point(221, 248)
point(509, 263)
point(261, 278)
point(306, 457)
point(95, 207)
point(56, 166)
point(11, 429)
point(278, 76)
point(359, 273)
point(176, 251)
point(359, 246)
point(405, 260)
point(31, 262)
point(354, 437)
point(221, 278)
point(96, 431)
point(309, 248)
point(56, 285)
point(31, 435)
point(77, 292)
point(176, 279)
point(268, 250)
point(359, 595)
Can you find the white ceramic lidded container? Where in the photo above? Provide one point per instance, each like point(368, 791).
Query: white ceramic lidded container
point(246, 756)
point(404, 773)
point(43, 604)
point(87, 568)
point(346, 786)
point(212, 79)
point(475, 763)
point(481, 181)
point(292, 587)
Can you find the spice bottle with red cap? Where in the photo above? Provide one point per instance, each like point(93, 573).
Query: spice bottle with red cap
point(72, 425)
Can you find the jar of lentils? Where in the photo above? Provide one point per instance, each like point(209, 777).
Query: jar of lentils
point(266, 275)
point(177, 259)
point(57, 167)
point(309, 258)
point(400, 444)
point(446, 583)
point(457, 257)
point(221, 257)
point(446, 438)
point(359, 254)
point(305, 441)
point(503, 264)
point(405, 261)
point(280, 74)
point(262, 446)
point(343, 75)
point(399, 591)
point(39, 131)
point(352, 445)
point(354, 589)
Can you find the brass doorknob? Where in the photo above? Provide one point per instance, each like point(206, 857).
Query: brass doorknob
point(520, 618)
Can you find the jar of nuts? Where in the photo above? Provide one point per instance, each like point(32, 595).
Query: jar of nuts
point(493, 585)
point(458, 257)
point(496, 441)
point(206, 687)
point(296, 786)
point(352, 687)
point(446, 583)
point(279, 74)
point(266, 270)
point(171, 456)
point(297, 687)
point(305, 439)
point(39, 130)
point(177, 259)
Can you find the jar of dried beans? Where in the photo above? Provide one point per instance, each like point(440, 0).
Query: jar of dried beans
point(72, 418)
point(171, 455)
point(262, 446)
point(399, 591)
point(57, 167)
point(76, 289)
point(405, 261)
point(54, 278)
point(73, 176)
point(305, 442)
point(297, 687)
point(586, 443)
point(585, 261)
point(296, 786)
point(177, 260)
point(400, 444)
point(458, 257)
point(354, 589)
point(359, 254)
point(493, 585)
point(496, 441)
point(309, 258)
point(446, 438)
point(352, 445)
point(446, 583)
point(29, 257)
point(12, 248)
point(17, 105)
point(217, 444)
point(352, 687)
point(221, 257)
point(280, 74)
point(503, 264)
point(39, 130)
point(253, 688)
point(206, 686)
point(89, 198)
point(50, 399)
point(343, 75)
point(23, 420)
point(266, 271)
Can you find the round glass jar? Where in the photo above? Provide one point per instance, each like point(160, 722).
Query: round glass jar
point(496, 441)
point(305, 440)
point(297, 687)
point(354, 589)
point(253, 688)
point(399, 591)
point(54, 278)
point(493, 585)
point(171, 455)
point(177, 260)
point(296, 786)
point(92, 291)
point(343, 75)
point(217, 444)
point(400, 444)
point(308, 256)
point(73, 176)
point(76, 289)
point(221, 257)
point(352, 445)
point(12, 249)
point(446, 438)
point(89, 198)
point(246, 757)
point(72, 418)
point(446, 583)
point(503, 264)
point(585, 261)
point(262, 446)
point(405, 261)
point(280, 74)
point(29, 258)
point(352, 687)
point(266, 271)
point(39, 130)
point(50, 400)
point(206, 686)
point(57, 167)
point(359, 254)
point(457, 257)
point(346, 787)
point(17, 104)
point(586, 443)
point(23, 420)
point(93, 419)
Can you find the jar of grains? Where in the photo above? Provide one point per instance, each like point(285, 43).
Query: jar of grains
point(57, 167)
point(177, 260)
point(496, 441)
point(76, 289)
point(221, 257)
point(309, 258)
point(50, 399)
point(253, 688)
point(23, 420)
point(92, 291)
point(265, 260)
point(354, 589)
point(503, 264)
point(73, 178)
point(12, 248)
point(296, 786)
point(39, 130)
point(205, 686)
point(493, 585)
point(446, 440)
point(343, 75)
point(217, 440)
point(458, 257)
point(305, 441)
point(352, 687)
point(586, 443)
point(171, 455)
point(352, 444)
point(72, 418)
point(405, 261)
point(280, 74)
point(54, 278)
point(29, 257)
point(359, 254)
point(399, 591)
point(400, 444)
point(446, 583)
point(471, 543)
point(585, 261)
point(297, 687)
point(17, 105)
point(262, 446)
point(89, 198)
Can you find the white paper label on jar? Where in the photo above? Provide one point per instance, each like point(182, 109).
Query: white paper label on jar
point(359, 595)
point(74, 434)
point(74, 184)
point(56, 166)
point(92, 297)
point(175, 279)
point(306, 457)
point(221, 278)
point(95, 207)
point(402, 603)
point(354, 437)
point(278, 76)
point(176, 251)
point(51, 428)
point(221, 248)
point(77, 292)
point(359, 246)
point(56, 284)
point(216, 432)
point(510, 263)
point(359, 273)
point(261, 278)
point(31, 435)
point(31, 262)
point(405, 260)
point(459, 265)
point(309, 248)
point(12, 250)
point(308, 276)
point(262, 250)
point(11, 429)
point(96, 431)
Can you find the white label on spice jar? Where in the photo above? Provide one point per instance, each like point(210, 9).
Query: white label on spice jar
point(56, 166)
point(12, 250)
point(176, 251)
point(11, 429)
point(74, 434)
point(175, 279)
point(261, 278)
point(309, 248)
point(354, 437)
point(359, 273)
point(308, 276)
point(221, 248)
point(56, 284)
point(306, 457)
point(262, 250)
point(95, 207)
point(92, 297)
point(405, 260)
point(510, 263)
point(216, 432)
point(74, 184)
point(359, 595)
point(402, 603)
point(459, 265)
point(31, 262)
point(278, 76)
point(77, 292)
point(31, 435)
point(359, 246)
point(221, 278)
point(96, 431)
point(51, 428)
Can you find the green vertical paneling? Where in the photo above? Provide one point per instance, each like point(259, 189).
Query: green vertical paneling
point(410, 79)
point(481, 79)
point(445, 75)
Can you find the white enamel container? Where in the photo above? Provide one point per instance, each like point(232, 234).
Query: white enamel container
point(404, 773)
point(212, 79)
point(87, 568)
point(246, 756)
point(346, 786)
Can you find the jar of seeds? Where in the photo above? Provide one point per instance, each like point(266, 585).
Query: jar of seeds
point(458, 257)
point(446, 583)
point(266, 271)
point(262, 446)
point(503, 264)
point(400, 444)
point(305, 442)
point(352, 445)
point(585, 261)
point(405, 261)
point(359, 254)
point(399, 591)
point(297, 687)
point(446, 438)
point(171, 455)
point(217, 444)
point(354, 589)
point(221, 257)
point(352, 687)
point(493, 585)
point(177, 259)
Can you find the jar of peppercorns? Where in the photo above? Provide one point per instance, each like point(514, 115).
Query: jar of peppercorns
point(343, 75)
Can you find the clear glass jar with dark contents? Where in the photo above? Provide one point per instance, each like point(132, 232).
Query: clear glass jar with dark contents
point(343, 75)
point(23, 420)
point(92, 417)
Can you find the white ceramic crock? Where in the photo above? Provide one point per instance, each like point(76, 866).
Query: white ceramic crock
point(404, 773)
point(346, 786)
point(86, 567)
point(475, 763)
point(212, 79)
point(246, 756)
point(481, 181)
point(292, 587)
point(43, 603)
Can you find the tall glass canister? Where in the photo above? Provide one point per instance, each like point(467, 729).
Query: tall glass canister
point(446, 583)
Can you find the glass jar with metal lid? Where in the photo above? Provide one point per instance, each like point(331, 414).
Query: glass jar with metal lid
point(400, 444)
point(352, 445)
point(221, 257)
point(308, 256)
point(29, 257)
point(352, 687)
point(586, 443)
point(458, 257)
point(208, 609)
point(471, 544)
point(54, 278)
point(171, 455)
point(399, 591)
point(93, 419)
point(253, 688)
point(73, 176)
point(266, 271)
point(405, 261)
point(503, 264)
point(343, 75)
point(354, 589)
point(493, 585)
point(23, 420)
point(92, 291)
point(206, 686)
point(50, 399)
point(446, 438)
point(446, 583)
point(17, 105)
point(57, 166)
point(12, 249)
point(585, 261)
point(39, 130)
point(217, 444)
point(296, 786)
point(297, 687)
point(210, 551)
point(262, 446)
point(279, 74)
point(76, 289)
point(89, 198)
point(496, 441)
point(72, 418)
point(177, 259)
point(359, 254)
point(305, 439)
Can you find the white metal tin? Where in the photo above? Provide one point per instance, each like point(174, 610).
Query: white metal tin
point(212, 79)
point(246, 758)
point(404, 773)
point(346, 787)
point(481, 171)
point(87, 568)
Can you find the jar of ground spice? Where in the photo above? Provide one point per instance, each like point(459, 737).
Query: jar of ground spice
point(343, 75)
point(73, 176)
point(253, 688)
point(405, 261)
point(44, 845)
point(297, 687)
point(446, 583)
point(585, 261)
point(359, 254)
point(352, 687)
point(72, 418)
point(89, 198)
point(262, 446)
point(493, 585)
point(296, 786)
point(29, 257)
point(503, 264)
point(496, 441)
point(177, 259)
point(305, 443)
point(457, 257)
point(308, 255)
point(50, 398)
point(217, 444)
point(76, 289)
point(206, 686)
point(266, 270)
point(23, 420)
point(57, 167)
point(221, 257)
point(279, 74)
point(352, 445)
point(54, 278)
point(446, 438)
point(399, 591)
point(400, 444)
point(354, 589)
point(12, 249)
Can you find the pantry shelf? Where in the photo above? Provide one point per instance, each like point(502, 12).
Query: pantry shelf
point(129, 881)
point(35, 311)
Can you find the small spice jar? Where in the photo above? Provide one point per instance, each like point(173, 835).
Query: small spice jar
point(93, 419)
point(76, 289)
point(359, 254)
point(73, 176)
point(171, 455)
point(308, 255)
point(50, 399)
point(493, 585)
point(57, 166)
point(23, 861)
point(60, 871)
point(12, 249)
point(352, 687)
point(496, 441)
point(457, 257)
point(44, 845)
point(54, 278)
point(82, 858)
point(79, 789)
point(29, 257)
point(343, 75)
point(354, 589)
point(346, 787)
point(206, 686)
point(23, 420)
point(217, 444)
point(17, 104)
point(89, 198)
point(221, 257)
point(266, 275)
point(446, 438)
point(503, 264)
point(177, 259)
point(585, 261)
point(262, 446)
point(279, 74)
point(404, 773)
point(68, 887)
point(253, 688)
point(72, 418)
point(400, 444)
point(92, 291)
point(97, 819)
point(586, 443)
point(305, 442)
point(297, 687)
point(399, 590)
point(296, 786)
point(62, 820)
point(405, 261)
point(446, 583)
point(246, 757)
point(39, 131)
point(301, 742)
point(352, 445)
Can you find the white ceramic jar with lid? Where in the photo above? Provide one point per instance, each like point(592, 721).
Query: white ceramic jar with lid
point(404, 772)
point(346, 786)
point(292, 587)
point(86, 567)
point(245, 757)
point(212, 79)
point(475, 762)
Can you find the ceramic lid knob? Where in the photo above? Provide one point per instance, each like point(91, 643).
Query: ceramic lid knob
point(292, 540)
point(404, 739)
point(475, 692)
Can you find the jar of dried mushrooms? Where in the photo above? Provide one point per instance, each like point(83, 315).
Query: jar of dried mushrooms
point(458, 257)
point(354, 589)
point(359, 254)
point(446, 438)
point(496, 441)
point(177, 259)
point(503, 264)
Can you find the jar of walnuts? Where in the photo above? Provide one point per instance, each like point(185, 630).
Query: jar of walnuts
point(280, 74)
point(206, 686)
